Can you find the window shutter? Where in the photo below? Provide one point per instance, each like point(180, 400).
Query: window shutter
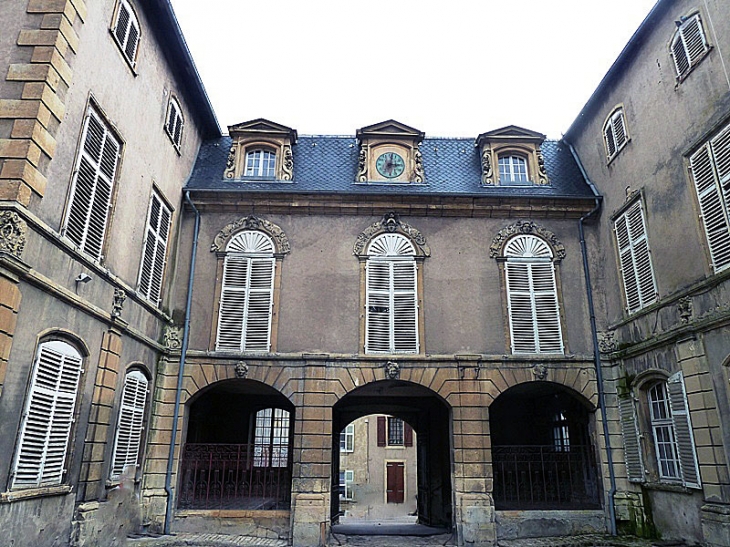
point(694, 39)
point(547, 314)
point(233, 303)
point(618, 129)
point(122, 23)
point(126, 31)
point(610, 142)
point(260, 299)
point(681, 62)
point(46, 426)
point(378, 304)
point(405, 307)
point(129, 426)
point(635, 258)
point(407, 434)
point(92, 187)
point(130, 48)
point(713, 204)
point(155, 250)
point(381, 430)
point(632, 443)
point(683, 430)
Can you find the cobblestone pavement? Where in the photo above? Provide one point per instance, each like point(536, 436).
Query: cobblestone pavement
point(391, 541)
point(205, 540)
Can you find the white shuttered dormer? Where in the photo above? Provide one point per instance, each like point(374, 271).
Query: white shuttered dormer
point(93, 181)
point(534, 312)
point(244, 318)
point(129, 426)
point(391, 324)
point(637, 271)
point(48, 416)
point(152, 268)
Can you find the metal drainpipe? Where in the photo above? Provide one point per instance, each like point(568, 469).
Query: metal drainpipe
point(594, 335)
point(181, 369)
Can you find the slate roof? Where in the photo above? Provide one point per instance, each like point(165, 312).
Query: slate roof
point(328, 164)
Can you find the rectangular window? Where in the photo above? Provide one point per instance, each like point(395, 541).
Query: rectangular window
point(91, 188)
point(271, 441)
point(347, 477)
point(347, 438)
point(710, 170)
point(637, 272)
point(395, 432)
point(155, 249)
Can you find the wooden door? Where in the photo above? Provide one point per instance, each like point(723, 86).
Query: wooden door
point(395, 482)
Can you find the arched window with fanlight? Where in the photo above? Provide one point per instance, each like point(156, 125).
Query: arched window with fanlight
point(244, 317)
point(534, 312)
point(260, 163)
point(513, 170)
point(391, 296)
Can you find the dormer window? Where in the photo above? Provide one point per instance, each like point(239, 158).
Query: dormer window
point(390, 154)
point(260, 163)
point(261, 149)
point(689, 44)
point(513, 169)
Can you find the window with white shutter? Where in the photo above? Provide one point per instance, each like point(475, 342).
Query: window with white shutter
point(710, 170)
point(615, 136)
point(91, 189)
point(174, 122)
point(683, 431)
point(637, 271)
point(48, 415)
point(632, 443)
point(129, 426)
point(126, 31)
point(244, 317)
point(391, 320)
point(152, 268)
point(689, 44)
point(532, 296)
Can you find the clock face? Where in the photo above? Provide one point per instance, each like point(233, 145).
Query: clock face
point(390, 165)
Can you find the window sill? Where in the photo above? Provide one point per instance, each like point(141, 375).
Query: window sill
point(29, 493)
point(667, 487)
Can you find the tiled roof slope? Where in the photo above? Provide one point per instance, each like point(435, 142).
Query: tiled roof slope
point(328, 164)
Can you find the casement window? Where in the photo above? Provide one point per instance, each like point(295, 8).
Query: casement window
point(347, 438)
point(244, 317)
point(129, 425)
point(637, 272)
point(689, 44)
point(260, 163)
point(561, 432)
point(152, 268)
point(48, 415)
point(615, 136)
point(672, 441)
point(174, 122)
point(271, 440)
point(347, 477)
point(710, 171)
point(392, 431)
point(513, 170)
point(126, 31)
point(532, 296)
point(91, 189)
point(391, 296)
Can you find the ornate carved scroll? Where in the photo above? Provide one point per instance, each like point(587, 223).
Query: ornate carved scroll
point(525, 227)
point(230, 171)
point(391, 223)
point(487, 174)
point(252, 223)
point(541, 173)
point(362, 164)
point(418, 173)
point(287, 165)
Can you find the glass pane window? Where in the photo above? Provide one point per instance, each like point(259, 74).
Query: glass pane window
point(271, 442)
point(513, 169)
point(395, 432)
point(347, 438)
point(665, 443)
point(260, 163)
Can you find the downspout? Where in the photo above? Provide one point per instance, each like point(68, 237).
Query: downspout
point(594, 336)
point(181, 368)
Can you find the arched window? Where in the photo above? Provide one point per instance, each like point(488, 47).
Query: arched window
point(48, 415)
point(689, 44)
point(260, 163)
point(271, 442)
point(130, 423)
point(244, 317)
point(392, 300)
point(126, 31)
point(615, 136)
point(513, 169)
point(534, 313)
point(174, 122)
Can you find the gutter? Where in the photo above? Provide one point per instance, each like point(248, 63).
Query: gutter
point(181, 369)
point(594, 336)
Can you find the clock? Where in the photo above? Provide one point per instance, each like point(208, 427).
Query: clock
point(390, 165)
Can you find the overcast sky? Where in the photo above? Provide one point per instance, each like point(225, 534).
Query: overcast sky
point(455, 68)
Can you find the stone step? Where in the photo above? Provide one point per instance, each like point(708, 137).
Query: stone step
point(203, 540)
point(588, 541)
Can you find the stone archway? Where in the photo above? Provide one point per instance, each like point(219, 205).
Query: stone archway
point(429, 416)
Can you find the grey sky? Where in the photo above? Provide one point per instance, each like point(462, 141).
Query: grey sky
point(453, 68)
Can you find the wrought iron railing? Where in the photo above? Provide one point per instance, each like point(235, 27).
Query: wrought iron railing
point(223, 476)
point(545, 477)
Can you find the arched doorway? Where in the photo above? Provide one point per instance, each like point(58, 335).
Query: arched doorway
point(543, 454)
point(398, 407)
point(237, 452)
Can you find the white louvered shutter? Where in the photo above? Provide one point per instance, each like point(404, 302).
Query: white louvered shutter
point(244, 319)
point(174, 125)
point(92, 186)
point(46, 426)
point(679, 54)
point(127, 31)
point(152, 268)
point(129, 426)
point(405, 307)
point(378, 305)
point(635, 258)
point(689, 44)
point(683, 431)
point(610, 141)
point(632, 444)
point(619, 130)
point(710, 167)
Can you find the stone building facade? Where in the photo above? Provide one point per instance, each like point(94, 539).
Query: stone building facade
point(485, 291)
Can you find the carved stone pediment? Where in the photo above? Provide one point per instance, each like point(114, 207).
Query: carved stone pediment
point(496, 249)
point(252, 222)
point(390, 128)
point(261, 127)
point(391, 223)
point(511, 132)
